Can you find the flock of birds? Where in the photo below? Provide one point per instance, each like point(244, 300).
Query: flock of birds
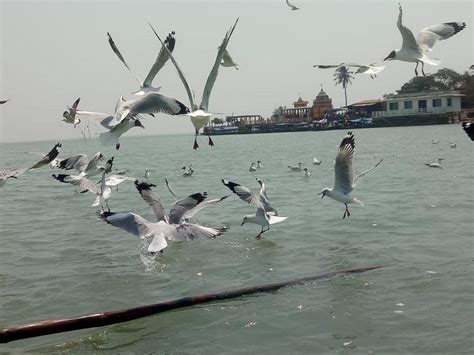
point(178, 223)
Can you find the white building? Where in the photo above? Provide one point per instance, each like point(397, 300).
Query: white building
point(429, 103)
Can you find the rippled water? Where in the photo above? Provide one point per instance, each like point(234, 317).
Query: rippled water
point(57, 259)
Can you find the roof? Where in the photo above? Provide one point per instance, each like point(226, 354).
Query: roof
point(366, 103)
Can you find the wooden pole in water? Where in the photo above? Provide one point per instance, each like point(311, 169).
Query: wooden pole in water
point(107, 318)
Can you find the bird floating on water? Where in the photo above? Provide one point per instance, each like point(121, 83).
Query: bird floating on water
point(343, 170)
point(435, 165)
point(415, 50)
point(316, 161)
point(296, 168)
point(252, 167)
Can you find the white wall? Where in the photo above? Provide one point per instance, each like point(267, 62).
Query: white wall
point(444, 108)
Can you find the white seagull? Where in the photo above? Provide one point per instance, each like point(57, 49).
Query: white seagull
point(367, 69)
point(316, 161)
point(307, 172)
point(48, 158)
point(200, 115)
point(265, 215)
point(227, 61)
point(296, 168)
point(259, 164)
point(69, 116)
point(252, 167)
point(435, 165)
point(415, 50)
point(163, 56)
point(10, 173)
point(343, 169)
point(82, 164)
point(161, 230)
point(292, 7)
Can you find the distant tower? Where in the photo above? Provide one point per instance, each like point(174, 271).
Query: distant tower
point(321, 104)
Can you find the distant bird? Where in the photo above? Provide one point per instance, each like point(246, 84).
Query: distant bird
point(188, 171)
point(416, 50)
point(316, 161)
point(343, 169)
point(265, 215)
point(10, 173)
point(296, 168)
point(434, 141)
point(161, 230)
point(227, 61)
point(452, 145)
point(163, 56)
point(307, 172)
point(147, 173)
point(435, 165)
point(252, 167)
point(4, 101)
point(48, 158)
point(292, 7)
point(259, 164)
point(468, 127)
point(367, 69)
point(200, 115)
point(69, 116)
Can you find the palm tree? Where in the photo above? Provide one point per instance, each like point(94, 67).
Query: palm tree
point(343, 76)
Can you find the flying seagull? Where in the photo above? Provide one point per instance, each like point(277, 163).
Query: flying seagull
point(368, 69)
point(163, 56)
point(265, 215)
point(48, 158)
point(69, 116)
point(227, 61)
point(200, 115)
point(415, 50)
point(343, 169)
point(4, 101)
point(82, 164)
point(10, 173)
point(292, 7)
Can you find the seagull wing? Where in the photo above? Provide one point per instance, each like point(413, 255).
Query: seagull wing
point(78, 180)
point(343, 165)
point(161, 60)
point(192, 212)
point(244, 193)
point(158, 243)
point(130, 222)
point(114, 180)
point(184, 205)
point(356, 179)
point(152, 199)
point(180, 73)
point(154, 102)
point(428, 36)
point(327, 66)
point(211, 79)
point(48, 158)
point(120, 56)
point(11, 173)
point(78, 162)
point(469, 129)
point(170, 190)
point(409, 41)
point(190, 231)
point(103, 119)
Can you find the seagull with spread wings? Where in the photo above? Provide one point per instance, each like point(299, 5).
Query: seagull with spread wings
point(343, 169)
point(69, 116)
point(367, 69)
point(163, 56)
point(415, 50)
point(200, 115)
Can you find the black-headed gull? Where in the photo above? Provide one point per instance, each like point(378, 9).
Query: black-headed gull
point(69, 116)
point(367, 69)
point(343, 170)
point(200, 115)
point(265, 215)
point(259, 164)
point(292, 7)
point(48, 158)
point(82, 164)
point(163, 56)
point(161, 230)
point(435, 165)
point(468, 127)
point(415, 50)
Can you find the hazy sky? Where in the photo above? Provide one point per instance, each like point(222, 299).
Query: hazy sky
point(55, 51)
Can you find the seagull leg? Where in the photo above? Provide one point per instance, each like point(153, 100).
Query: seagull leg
point(117, 146)
point(423, 68)
point(416, 71)
point(211, 143)
point(196, 145)
point(259, 236)
point(346, 212)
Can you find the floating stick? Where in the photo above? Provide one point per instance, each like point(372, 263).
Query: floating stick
point(113, 317)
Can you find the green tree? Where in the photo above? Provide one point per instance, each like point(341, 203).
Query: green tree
point(217, 121)
point(278, 112)
point(343, 76)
